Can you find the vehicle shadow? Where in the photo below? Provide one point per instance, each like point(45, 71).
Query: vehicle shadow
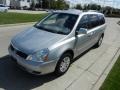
point(13, 78)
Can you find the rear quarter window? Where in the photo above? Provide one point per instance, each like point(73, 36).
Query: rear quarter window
point(101, 19)
point(94, 20)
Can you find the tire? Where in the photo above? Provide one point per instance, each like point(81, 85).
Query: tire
point(98, 44)
point(63, 64)
point(12, 58)
point(14, 61)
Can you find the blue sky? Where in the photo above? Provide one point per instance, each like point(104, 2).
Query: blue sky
point(114, 3)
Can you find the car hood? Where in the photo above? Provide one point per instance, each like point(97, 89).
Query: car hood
point(32, 40)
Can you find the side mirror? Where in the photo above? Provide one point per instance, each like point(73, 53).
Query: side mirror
point(81, 31)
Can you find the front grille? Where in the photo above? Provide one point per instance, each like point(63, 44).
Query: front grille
point(19, 53)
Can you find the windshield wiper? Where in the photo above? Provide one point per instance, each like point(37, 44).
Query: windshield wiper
point(39, 27)
point(44, 29)
point(59, 32)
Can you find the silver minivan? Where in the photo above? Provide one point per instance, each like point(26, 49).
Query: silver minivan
point(52, 43)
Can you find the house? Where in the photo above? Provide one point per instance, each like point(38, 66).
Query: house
point(5, 2)
point(22, 4)
point(18, 4)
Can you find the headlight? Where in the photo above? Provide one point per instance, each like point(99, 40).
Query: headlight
point(39, 56)
point(29, 57)
point(42, 55)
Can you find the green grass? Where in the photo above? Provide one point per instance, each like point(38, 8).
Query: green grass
point(112, 81)
point(12, 18)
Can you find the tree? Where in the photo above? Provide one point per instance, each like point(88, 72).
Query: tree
point(93, 6)
point(40, 3)
point(32, 5)
point(85, 7)
point(55, 4)
point(88, 7)
point(45, 4)
point(107, 10)
point(78, 6)
point(99, 7)
point(60, 4)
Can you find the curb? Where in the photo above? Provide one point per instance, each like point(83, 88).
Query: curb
point(7, 25)
point(106, 72)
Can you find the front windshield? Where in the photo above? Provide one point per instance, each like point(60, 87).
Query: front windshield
point(60, 23)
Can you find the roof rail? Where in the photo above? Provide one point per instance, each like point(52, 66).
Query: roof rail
point(92, 11)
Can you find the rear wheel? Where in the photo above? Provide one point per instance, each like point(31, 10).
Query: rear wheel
point(99, 42)
point(63, 64)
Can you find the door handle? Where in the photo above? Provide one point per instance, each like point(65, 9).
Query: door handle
point(90, 34)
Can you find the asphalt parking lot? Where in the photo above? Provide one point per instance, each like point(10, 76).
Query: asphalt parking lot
point(86, 73)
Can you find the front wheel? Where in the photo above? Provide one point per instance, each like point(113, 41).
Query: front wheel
point(63, 64)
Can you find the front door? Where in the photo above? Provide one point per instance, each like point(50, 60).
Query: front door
point(83, 41)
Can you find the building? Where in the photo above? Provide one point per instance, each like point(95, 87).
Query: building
point(18, 4)
point(5, 2)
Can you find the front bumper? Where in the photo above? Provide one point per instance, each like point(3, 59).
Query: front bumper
point(32, 66)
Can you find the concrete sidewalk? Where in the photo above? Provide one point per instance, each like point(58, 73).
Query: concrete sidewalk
point(88, 72)
point(17, 24)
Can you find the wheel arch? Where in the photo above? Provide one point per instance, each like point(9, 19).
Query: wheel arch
point(70, 51)
point(102, 35)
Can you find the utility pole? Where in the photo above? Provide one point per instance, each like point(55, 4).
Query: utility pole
point(104, 3)
point(112, 6)
point(103, 6)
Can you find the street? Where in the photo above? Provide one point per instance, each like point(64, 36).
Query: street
point(27, 11)
point(84, 74)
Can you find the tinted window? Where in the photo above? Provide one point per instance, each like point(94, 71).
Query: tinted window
point(2, 6)
point(101, 20)
point(94, 20)
point(83, 22)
